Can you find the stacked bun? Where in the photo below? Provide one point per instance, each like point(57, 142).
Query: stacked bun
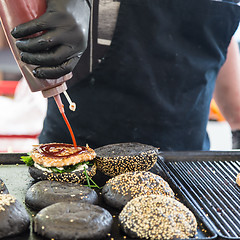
point(148, 207)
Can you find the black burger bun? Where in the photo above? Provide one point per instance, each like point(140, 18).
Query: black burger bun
point(14, 218)
point(70, 177)
point(73, 221)
point(45, 193)
point(121, 189)
point(157, 217)
point(115, 159)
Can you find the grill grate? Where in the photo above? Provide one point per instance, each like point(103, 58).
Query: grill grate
point(212, 188)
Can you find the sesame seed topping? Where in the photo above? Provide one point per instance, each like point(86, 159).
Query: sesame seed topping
point(158, 217)
point(113, 163)
point(139, 183)
point(6, 200)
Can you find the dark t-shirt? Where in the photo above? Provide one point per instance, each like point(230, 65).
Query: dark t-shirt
point(152, 77)
point(104, 18)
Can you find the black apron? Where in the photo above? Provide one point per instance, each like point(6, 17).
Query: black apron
point(155, 82)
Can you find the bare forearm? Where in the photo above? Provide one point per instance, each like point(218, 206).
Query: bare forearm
point(227, 90)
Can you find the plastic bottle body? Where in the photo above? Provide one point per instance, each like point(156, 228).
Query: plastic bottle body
point(13, 14)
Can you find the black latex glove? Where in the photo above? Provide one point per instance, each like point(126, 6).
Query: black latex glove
point(236, 139)
point(56, 52)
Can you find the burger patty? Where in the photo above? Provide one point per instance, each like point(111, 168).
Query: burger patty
point(61, 154)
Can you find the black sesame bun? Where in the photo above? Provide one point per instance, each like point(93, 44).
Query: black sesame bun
point(119, 158)
point(61, 162)
point(14, 218)
point(157, 217)
point(70, 177)
point(73, 221)
point(3, 188)
point(122, 188)
point(45, 193)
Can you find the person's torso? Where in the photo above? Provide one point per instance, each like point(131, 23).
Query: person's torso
point(153, 72)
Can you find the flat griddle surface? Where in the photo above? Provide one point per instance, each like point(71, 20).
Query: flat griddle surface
point(208, 179)
point(17, 179)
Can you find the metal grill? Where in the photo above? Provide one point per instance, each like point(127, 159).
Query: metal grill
point(211, 187)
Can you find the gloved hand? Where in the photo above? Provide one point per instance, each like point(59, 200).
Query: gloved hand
point(236, 139)
point(57, 50)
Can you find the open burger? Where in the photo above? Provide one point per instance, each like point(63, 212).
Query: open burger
point(61, 162)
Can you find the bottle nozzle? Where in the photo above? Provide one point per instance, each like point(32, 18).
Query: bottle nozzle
point(59, 103)
point(72, 105)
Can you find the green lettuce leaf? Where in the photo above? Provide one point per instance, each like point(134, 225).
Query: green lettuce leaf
point(27, 160)
point(69, 168)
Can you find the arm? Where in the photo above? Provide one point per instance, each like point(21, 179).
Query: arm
point(63, 37)
point(227, 90)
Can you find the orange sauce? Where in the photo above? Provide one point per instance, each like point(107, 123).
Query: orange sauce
point(69, 129)
point(61, 109)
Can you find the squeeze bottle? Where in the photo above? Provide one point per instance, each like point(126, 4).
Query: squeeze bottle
point(13, 13)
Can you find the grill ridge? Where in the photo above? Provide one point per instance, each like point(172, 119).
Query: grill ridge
point(211, 186)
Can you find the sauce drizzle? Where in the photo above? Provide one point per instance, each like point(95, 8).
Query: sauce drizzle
point(61, 109)
point(69, 129)
point(60, 150)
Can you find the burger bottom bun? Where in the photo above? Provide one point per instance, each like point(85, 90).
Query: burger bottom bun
point(45, 193)
point(72, 177)
point(14, 218)
point(73, 221)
